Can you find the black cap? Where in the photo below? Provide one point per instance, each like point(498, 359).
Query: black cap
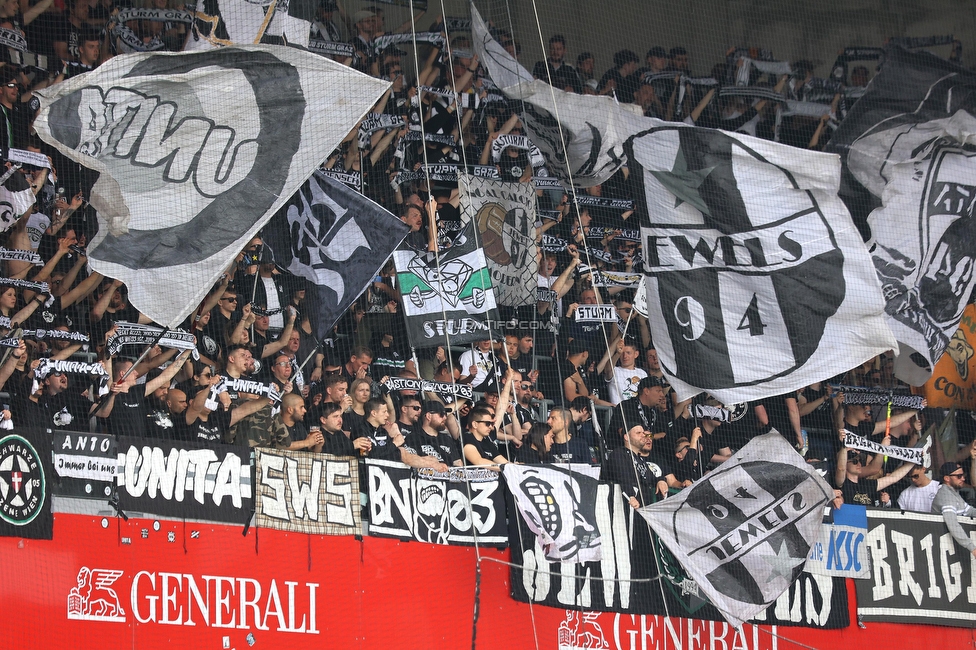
point(650, 381)
point(433, 407)
point(658, 51)
point(948, 468)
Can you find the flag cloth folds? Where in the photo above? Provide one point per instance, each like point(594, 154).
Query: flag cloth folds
point(743, 531)
point(559, 506)
point(909, 145)
point(219, 23)
point(504, 214)
point(337, 239)
point(189, 174)
point(447, 294)
point(756, 274)
point(16, 198)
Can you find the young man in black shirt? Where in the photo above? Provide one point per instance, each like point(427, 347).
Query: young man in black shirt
point(565, 448)
point(335, 442)
point(640, 475)
point(479, 446)
point(431, 438)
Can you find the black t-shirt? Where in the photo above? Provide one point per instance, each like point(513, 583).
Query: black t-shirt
point(864, 492)
point(636, 475)
point(382, 444)
point(338, 444)
point(163, 425)
point(487, 448)
point(630, 413)
point(128, 417)
point(574, 451)
point(66, 410)
point(213, 430)
point(822, 416)
point(298, 431)
point(441, 446)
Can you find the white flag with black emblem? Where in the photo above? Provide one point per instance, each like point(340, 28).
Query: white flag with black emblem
point(219, 23)
point(910, 145)
point(756, 275)
point(559, 506)
point(743, 532)
point(16, 198)
point(337, 239)
point(195, 153)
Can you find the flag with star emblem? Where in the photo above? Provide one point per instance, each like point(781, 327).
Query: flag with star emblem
point(756, 275)
point(335, 238)
point(446, 294)
point(910, 175)
point(743, 532)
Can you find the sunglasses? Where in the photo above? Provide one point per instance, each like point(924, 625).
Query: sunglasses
point(856, 461)
point(229, 299)
point(12, 85)
point(415, 408)
point(959, 475)
point(916, 476)
point(488, 422)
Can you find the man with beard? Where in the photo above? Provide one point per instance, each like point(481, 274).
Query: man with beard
point(565, 448)
point(432, 439)
point(635, 469)
point(167, 423)
point(334, 441)
point(647, 409)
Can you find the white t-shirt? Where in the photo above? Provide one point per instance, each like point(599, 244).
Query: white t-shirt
point(37, 223)
point(624, 384)
point(484, 361)
point(918, 499)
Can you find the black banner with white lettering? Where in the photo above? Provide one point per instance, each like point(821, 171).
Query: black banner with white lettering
point(625, 579)
point(428, 508)
point(317, 494)
point(25, 485)
point(85, 465)
point(918, 572)
point(195, 481)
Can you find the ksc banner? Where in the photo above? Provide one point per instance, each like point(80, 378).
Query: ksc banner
point(625, 579)
point(25, 485)
point(743, 532)
point(505, 217)
point(446, 294)
point(188, 175)
point(918, 572)
point(953, 382)
point(911, 160)
point(185, 479)
point(316, 494)
point(405, 505)
point(84, 464)
point(841, 550)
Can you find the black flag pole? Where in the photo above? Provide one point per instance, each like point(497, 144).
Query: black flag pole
point(101, 400)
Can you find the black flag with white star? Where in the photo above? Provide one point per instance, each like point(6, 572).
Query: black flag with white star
point(335, 238)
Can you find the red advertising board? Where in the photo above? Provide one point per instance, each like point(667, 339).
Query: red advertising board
point(150, 583)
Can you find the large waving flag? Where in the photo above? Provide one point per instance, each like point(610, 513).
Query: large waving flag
point(196, 151)
point(337, 239)
point(910, 148)
point(743, 532)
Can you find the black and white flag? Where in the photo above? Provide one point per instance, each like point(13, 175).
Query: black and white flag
point(220, 23)
point(559, 506)
point(337, 239)
point(911, 175)
point(188, 174)
point(743, 531)
point(16, 198)
point(505, 216)
point(449, 294)
point(756, 274)
point(586, 136)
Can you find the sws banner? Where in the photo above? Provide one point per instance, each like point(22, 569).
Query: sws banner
point(185, 479)
point(918, 572)
point(626, 578)
point(25, 486)
point(406, 505)
point(85, 464)
point(317, 494)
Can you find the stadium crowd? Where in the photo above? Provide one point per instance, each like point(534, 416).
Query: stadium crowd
point(547, 390)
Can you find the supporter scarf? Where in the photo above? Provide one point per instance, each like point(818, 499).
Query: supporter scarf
point(249, 386)
point(330, 48)
point(909, 455)
point(15, 40)
point(135, 334)
point(75, 337)
point(351, 178)
point(380, 43)
point(604, 202)
point(441, 388)
point(157, 15)
point(858, 395)
point(597, 232)
point(46, 366)
point(519, 142)
point(21, 256)
point(38, 287)
point(33, 158)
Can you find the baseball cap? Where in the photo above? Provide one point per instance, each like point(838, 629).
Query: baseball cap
point(362, 14)
point(433, 407)
point(649, 381)
point(948, 468)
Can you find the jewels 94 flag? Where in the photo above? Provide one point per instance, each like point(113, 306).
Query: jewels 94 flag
point(743, 532)
point(909, 144)
point(559, 506)
point(337, 239)
point(195, 152)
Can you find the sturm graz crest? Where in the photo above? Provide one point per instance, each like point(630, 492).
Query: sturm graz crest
point(22, 481)
point(744, 270)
